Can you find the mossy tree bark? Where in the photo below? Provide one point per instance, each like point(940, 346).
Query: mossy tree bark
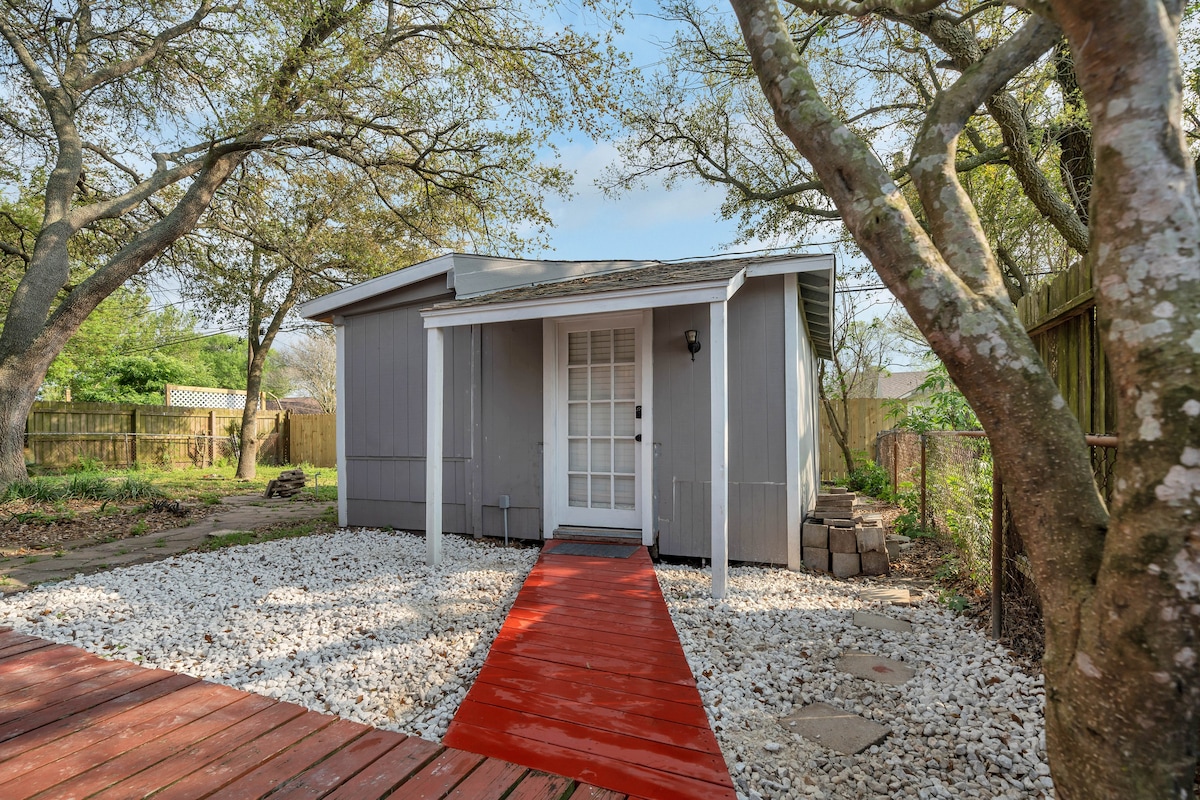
point(1121, 594)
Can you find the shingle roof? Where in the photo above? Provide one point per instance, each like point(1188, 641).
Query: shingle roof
point(900, 384)
point(638, 277)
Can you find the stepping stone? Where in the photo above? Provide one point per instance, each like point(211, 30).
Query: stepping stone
point(875, 668)
point(885, 594)
point(835, 728)
point(865, 619)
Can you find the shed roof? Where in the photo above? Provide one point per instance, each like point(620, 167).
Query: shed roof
point(485, 282)
point(900, 384)
point(645, 276)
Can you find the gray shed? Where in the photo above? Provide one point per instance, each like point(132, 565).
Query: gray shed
point(669, 403)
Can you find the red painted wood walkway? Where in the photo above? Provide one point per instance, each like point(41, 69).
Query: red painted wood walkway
point(73, 725)
point(587, 678)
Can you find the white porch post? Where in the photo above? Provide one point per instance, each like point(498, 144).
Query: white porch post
point(791, 414)
point(719, 390)
point(339, 419)
point(434, 388)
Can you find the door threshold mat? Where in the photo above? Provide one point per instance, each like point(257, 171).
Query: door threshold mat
point(589, 549)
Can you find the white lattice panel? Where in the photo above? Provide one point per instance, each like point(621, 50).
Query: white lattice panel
point(200, 397)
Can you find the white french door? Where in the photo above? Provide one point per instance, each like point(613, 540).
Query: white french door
point(600, 453)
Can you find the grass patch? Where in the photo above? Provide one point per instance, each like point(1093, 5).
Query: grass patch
point(140, 527)
point(194, 484)
point(236, 538)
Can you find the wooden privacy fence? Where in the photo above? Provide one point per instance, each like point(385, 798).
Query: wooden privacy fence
point(867, 417)
point(313, 439)
point(120, 435)
point(1061, 319)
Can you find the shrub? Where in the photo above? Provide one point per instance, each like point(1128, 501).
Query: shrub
point(39, 490)
point(92, 487)
point(870, 478)
point(135, 487)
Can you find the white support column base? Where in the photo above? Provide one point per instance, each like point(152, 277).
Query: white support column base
point(339, 417)
point(434, 389)
point(791, 414)
point(719, 398)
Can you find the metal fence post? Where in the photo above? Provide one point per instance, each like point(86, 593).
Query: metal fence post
point(895, 464)
point(924, 525)
point(997, 552)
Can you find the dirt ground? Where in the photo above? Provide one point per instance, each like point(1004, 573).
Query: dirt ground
point(924, 564)
point(28, 528)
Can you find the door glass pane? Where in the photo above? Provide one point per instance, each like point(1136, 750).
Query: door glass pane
point(577, 461)
point(601, 419)
point(623, 421)
point(577, 348)
point(625, 382)
point(623, 346)
point(623, 456)
point(601, 347)
point(577, 421)
point(601, 455)
point(623, 494)
point(601, 491)
point(577, 383)
point(577, 494)
point(601, 383)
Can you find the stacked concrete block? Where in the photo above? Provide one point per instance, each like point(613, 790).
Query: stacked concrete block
point(815, 539)
point(838, 538)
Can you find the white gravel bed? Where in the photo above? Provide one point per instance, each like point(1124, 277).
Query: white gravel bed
point(351, 623)
point(970, 724)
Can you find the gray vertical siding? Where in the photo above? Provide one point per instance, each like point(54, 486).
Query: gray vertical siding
point(385, 420)
point(512, 427)
point(757, 455)
point(493, 423)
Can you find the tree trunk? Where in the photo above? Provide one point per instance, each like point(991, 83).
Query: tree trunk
point(1124, 685)
point(1121, 597)
point(839, 427)
point(21, 375)
point(247, 467)
point(16, 400)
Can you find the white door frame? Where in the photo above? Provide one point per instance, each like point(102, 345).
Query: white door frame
point(554, 480)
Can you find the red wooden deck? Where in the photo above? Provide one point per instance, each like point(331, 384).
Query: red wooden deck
point(73, 725)
point(587, 679)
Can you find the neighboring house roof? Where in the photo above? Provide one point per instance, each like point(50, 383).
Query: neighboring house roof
point(899, 385)
point(296, 405)
point(520, 288)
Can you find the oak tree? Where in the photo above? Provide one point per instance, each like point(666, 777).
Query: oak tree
point(1120, 585)
point(132, 115)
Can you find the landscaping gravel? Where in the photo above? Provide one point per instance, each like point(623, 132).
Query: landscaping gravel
point(351, 623)
point(354, 624)
point(969, 724)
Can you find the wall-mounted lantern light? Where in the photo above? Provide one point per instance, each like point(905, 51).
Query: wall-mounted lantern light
point(693, 342)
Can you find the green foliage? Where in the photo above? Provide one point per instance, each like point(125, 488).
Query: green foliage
point(86, 464)
point(90, 487)
point(36, 490)
point(135, 487)
point(940, 407)
point(871, 479)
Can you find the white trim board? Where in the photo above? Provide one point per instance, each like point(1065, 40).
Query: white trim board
point(442, 265)
point(588, 304)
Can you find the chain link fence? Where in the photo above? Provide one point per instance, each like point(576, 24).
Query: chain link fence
point(946, 479)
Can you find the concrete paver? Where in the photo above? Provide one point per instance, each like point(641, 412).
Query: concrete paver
point(834, 728)
point(885, 594)
point(875, 668)
point(881, 622)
